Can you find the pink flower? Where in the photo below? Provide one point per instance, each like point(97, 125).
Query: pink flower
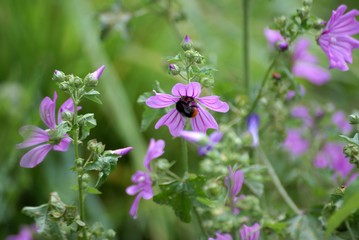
point(250, 232)
point(302, 112)
point(25, 233)
point(295, 143)
point(275, 39)
point(234, 182)
point(187, 103)
point(305, 64)
point(44, 141)
point(221, 236)
point(336, 40)
point(155, 150)
point(340, 120)
point(142, 187)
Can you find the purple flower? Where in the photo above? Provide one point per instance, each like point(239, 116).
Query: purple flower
point(207, 143)
point(331, 156)
point(295, 143)
point(291, 93)
point(336, 40)
point(24, 234)
point(187, 103)
point(187, 39)
point(305, 64)
point(250, 232)
point(340, 120)
point(234, 182)
point(253, 125)
point(142, 187)
point(122, 151)
point(155, 149)
point(97, 74)
point(221, 236)
point(275, 39)
point(302, 112)
point(45, 140)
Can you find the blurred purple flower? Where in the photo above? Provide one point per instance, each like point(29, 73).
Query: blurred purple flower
point(331, 156)
point(187, 39)
point(214, 138)
point(221, 236)
point(253, 128)
point(45, 140)
point(291, 93)
point(336, 40)
point(155, 150)
point(250, 232)
point(207, 143)
point(302, 112)
point(234, 182)
point(339, 119)
point(122, 151)
point(188, 105)
point(142, 187)
point(295, 143)
point(25, 233)
point(275, 39)
point(305, 64)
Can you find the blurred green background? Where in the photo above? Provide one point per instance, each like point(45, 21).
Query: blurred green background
point(39, 36)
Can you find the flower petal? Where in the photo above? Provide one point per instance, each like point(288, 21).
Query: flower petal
point(33, 135)
point(68, 105)
point(312, 72)
point(192, 89)
point(134, 207)
point(155, 149)
point(213, 103)
point(273, 36)
point(122, 151)
point(47, 111)
point(173, 120)
point(63, 145)
point(35, 156)
point(161, 100)
point(203, 121)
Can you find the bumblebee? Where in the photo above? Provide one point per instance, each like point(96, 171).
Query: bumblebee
point(187, 107)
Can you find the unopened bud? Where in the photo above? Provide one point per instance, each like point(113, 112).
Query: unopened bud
point(79, 161)
point(163, 164)
point(303, 12)
point(280, 21)
point(174, 69)
point(282, 45)
point(91, 79)
point(58, 76)
point(354, 119)
point(77, 82)
point(67, 116)
point(207, 82)
point(86, 178)
point(64, 86)
point(96, 147)
point(186, 43)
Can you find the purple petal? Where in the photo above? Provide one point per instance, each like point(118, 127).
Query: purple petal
point(68, 105)
point(192, 136)
point(187, 39)
point(221, 236)
point(301, 53)
point(33, 135)
point(133, 189)
point(250, 232)
point(253, 128)
point(155, 150)
point(35, 156)
point(312, 72)
point(122, 151)
point(203, 150)
point(203, 121)
point(134, 207)
point(47, 111)
point(97, 74)
point(213, 103)
point(63, 145)
point(237, 182)
point(273, 36)
point(161, 100)
point(192, 89)
point(295, 143)
point(174, 121)
point(339, 119)
point(215, 137)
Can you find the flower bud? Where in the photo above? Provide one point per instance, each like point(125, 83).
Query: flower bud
point(67, 116)
point(77, 82)
point(282, 45)
point(186, 43)
point(64, 86)
point(96, 147)
point(163, 164)
point(174, 69)
point(207, 82)
point(110, 234)
point(91, 80)
point(319, 24)
point(280, 21)
point(58, 76)
point(354, 119)
point(86, 178)
point(303, 12)
point(79, 161)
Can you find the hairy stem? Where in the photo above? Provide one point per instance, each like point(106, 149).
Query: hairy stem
point(79, 169)
point(246, 65)
point(278, 183)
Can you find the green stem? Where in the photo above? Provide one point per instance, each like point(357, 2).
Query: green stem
point(350, 230)
point(79, 169)
point(264, 80)
point(200, 223)
point(278, 184)
point(185, 154)
point(246, 65)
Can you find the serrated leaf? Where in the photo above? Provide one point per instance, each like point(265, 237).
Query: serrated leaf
point(94, 99)
point(86, 122)
point(183, 195)
point(104, 165)
point(93, 190)
point(354, 140)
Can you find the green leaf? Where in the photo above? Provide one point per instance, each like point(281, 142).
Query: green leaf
point(93, 190)
point(348, 208)
point(86, 122)
point(183, 195)
point(92, 95)
point(354, 140)
point(94, 99)
point(149, 115)
point(104, 165)
point(304, 227)
point(143, 97)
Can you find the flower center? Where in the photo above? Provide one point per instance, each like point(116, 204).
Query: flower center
point(187, 107)
point(54, 137)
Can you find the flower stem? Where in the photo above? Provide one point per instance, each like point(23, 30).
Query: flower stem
point(246, 65)
point(278, 184)
point(264, 80)
point(185, 154)
point(79, 169)
point(200, 223)
point(350, 230)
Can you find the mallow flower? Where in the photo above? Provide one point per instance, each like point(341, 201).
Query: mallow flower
point(339, 119)
point(275, 39)
point(253, 128)
point(155, 150)
point(234, 182)
point(188, 104)
point(305, 64)
point(295, 143)
point(44, 141)
point(250, 232)
point(207, 143)
point(221, 236)
point(336, 39)
point(142, 186)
